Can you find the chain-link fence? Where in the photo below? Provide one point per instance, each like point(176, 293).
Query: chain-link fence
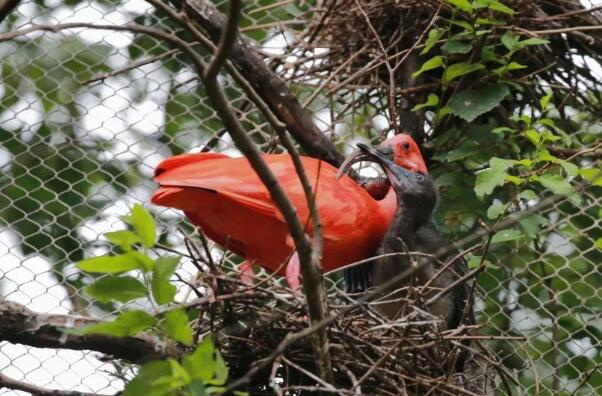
point(85, 115)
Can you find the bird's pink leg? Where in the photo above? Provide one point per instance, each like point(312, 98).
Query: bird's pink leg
point(246, 272)
point(293, 270)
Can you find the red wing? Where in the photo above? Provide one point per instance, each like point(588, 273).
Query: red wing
point(339, 206)
point(231, 177)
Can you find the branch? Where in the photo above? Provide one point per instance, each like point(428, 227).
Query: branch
point(9, 383)
point(269, 86)
point(132, 66)
point(564, 152)
point(227, 39)
point(316, 298)
point(7, 7)
point(20, 325)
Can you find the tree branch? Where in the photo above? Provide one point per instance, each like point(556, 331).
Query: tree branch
point(20, 325)
point(9, 383)
point(316, 298)
point(269, 86)
point(227, 39)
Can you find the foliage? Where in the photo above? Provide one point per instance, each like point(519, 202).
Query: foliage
point(203, 371)
point(509, 163)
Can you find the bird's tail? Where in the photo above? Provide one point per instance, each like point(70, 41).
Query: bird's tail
point(167, 196)
point(184, 159)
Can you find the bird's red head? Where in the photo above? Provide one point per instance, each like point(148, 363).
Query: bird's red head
point(404, 152)
point(401, 149)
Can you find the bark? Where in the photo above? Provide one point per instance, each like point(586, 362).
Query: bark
point(20, 325)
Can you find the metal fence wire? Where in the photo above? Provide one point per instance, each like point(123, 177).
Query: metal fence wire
point(80, 134)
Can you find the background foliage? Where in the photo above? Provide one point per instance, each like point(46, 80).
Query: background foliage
point(506, 117)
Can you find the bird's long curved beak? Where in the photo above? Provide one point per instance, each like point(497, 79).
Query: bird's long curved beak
point(394, 172)
point(359, 155)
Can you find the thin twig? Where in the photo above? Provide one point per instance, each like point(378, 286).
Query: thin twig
point(316, 299)
point(9, 383)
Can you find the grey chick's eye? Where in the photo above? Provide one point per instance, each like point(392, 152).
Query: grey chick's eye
point(419, 177)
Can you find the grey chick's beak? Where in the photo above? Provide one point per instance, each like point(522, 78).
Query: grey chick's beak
point(394, 172)
point(360, 155)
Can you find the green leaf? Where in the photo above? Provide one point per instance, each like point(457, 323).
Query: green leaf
point(497, 6)
point(592, 175)
point(464, 25)
point(570, 168)
point(533, 136)
point(488, 53)
point(143, 224)
point(506, 236)
point(460, 69)
point(197, 388)
point(496, 210)
point(471, 103)
point(502, 163)
point(532, 224)
point(127, 324)
point(529, 195)
point(124, 239)
point(489, 21)
point(107, 264)
point(534, 41)
point(463, 5)
point(599, 244)
point(549, 136)
point(155, 379)
point(556, 183)
point(442, 112)
point(515, 179)
point(488, 180)
point(509, 67)
point(544, 102)
point(206, 363)
point(433, 63)
point(456, 47)
point(466, 149)
point(163, 291)
point(475, 261)
point(510, 41)
point(176, 326)
point(143, 262)
point(431, 101)
point(118, 288)
point(433, 36)
point(502, 130)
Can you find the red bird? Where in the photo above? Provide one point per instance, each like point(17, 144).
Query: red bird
point(227, 200)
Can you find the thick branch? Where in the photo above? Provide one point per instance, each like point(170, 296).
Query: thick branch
point(6, 7)
point(269, 86)
point(20, 325)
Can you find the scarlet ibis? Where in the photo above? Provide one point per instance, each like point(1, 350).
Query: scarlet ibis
point(412, 231)
point(226, 199)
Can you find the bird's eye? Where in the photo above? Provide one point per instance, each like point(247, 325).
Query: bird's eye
point(405, 145)
point(419, 177)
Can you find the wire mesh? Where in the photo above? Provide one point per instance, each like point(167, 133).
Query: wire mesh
point(78, 145)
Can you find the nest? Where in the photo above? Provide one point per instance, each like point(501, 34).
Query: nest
point(358, 32)
point(370, 354)
point(373, 46)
